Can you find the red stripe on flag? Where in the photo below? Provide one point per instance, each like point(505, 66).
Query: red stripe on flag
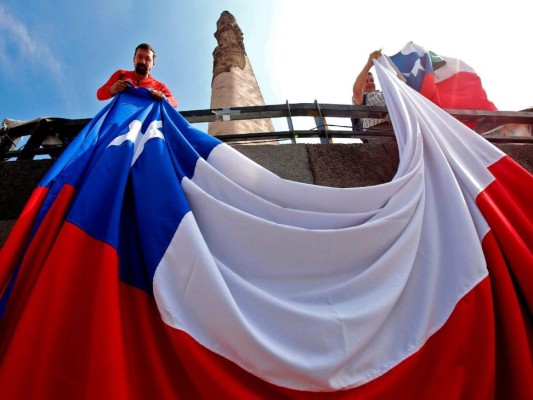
point(464, 90)
point(429, 89)
point(13, 249)
point(456, 362)
point(507, 205)
point(514, 330)
point(83, 333)
point(35, 255)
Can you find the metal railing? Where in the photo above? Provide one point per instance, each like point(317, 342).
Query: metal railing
point(39, 131)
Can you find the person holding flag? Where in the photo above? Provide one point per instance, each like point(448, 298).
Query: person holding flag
point(143, 61)
point(365, 93)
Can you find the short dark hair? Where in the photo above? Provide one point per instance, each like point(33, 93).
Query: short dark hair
point(144, 46)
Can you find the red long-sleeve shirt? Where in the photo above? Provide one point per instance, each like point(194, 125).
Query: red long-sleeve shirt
point(104, 92)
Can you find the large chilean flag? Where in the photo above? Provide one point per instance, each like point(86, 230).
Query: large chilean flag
point(155, 262)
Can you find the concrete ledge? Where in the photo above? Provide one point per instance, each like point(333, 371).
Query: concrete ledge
point(287, 161)
point(353, 165)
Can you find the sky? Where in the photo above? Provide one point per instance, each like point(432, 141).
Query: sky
point(55, 54)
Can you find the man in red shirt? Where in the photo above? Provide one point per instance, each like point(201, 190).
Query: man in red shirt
point(143, 61)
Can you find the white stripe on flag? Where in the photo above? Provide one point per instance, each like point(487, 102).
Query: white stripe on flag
point(356, 279)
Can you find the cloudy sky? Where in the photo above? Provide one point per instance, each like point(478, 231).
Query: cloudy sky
point(54, 54)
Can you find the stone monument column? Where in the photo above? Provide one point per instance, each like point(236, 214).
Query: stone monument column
point(234, 83)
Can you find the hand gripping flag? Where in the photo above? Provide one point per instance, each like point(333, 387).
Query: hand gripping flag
point(154, 261)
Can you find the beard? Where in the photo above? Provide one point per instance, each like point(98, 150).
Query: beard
point(141, 69)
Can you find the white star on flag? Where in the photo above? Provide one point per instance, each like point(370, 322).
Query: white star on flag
point(139, 139)
point(417, 67)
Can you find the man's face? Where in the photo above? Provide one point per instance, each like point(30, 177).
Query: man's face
point(370, 86)
point(143, 61)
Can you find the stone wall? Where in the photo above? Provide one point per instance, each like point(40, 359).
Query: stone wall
point(335, 165)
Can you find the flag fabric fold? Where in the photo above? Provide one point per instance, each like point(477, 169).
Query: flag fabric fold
point(155, 261)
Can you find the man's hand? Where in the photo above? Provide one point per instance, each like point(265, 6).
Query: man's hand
point(158, 94)
point(118, 86)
